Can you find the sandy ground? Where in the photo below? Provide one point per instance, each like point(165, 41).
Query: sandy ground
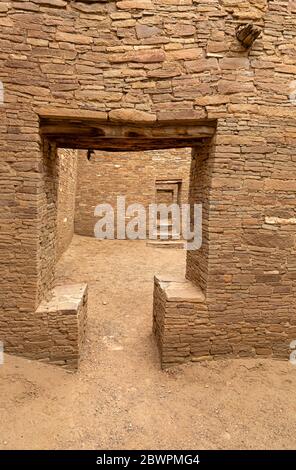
point(120, 398)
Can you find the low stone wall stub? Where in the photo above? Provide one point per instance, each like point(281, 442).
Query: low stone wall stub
point(186, 330)
point(65, 318)
point(177, 306)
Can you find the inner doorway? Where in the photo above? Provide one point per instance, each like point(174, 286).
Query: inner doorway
point(168, 191)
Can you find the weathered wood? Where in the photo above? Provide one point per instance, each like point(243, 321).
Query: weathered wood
point(247, 34)
point(84, 132)
point(75, 141)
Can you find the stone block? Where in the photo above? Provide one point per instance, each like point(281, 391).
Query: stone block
point(65, 315)
point(177, 303)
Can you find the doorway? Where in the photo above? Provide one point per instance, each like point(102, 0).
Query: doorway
point(85, 133)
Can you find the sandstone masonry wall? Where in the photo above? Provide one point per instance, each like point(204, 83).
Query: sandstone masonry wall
point(130, 174)
point(200, 186)
point(63, 320)
point(156, 61)
point(66, 198)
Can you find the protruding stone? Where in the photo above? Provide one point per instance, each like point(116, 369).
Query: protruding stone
point(183, 291)
point(186, 54)
point(73, 38)
point(135, 5)
point(181, 115)
point(131, 115)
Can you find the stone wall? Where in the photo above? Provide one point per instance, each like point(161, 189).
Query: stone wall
point(132, 174)
point(200, 187)
point(156, 61)
point(66, 198)
point(63, 320)
point(47, 237)
point(180, 322)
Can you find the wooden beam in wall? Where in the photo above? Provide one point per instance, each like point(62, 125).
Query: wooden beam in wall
point(90, 130)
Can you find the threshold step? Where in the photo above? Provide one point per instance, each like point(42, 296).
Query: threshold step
point(166, 244)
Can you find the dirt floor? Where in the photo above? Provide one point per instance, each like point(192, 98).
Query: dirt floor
point(120, 399)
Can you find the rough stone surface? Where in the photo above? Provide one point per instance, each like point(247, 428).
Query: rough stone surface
point(133, 175)
point(67, 175)
point(87, 57)
point(180, 321)
point(181, 290)
point(64, 317)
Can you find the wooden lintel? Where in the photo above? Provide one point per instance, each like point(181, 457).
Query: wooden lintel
point(123, 145)
point(88, 132)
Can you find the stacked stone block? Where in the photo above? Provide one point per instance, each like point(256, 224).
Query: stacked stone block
point(180, 321)
point(64, 317)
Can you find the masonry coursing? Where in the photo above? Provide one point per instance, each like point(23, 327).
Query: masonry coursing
point(130, 174)
point(153, 61)
point(67, 179)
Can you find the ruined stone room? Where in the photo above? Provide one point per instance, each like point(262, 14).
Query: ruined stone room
point(147, 229)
